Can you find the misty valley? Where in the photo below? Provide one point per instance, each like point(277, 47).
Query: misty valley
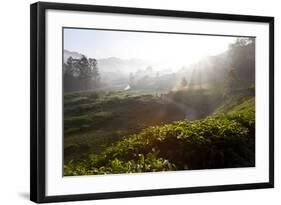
point(132, 116)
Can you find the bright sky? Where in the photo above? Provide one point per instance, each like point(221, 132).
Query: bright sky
point(158, 48)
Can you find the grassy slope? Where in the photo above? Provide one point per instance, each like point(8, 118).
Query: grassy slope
point(94, 121)
point(223, 140)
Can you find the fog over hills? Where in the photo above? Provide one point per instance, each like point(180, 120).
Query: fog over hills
point(112, 63)
point(116, 71)
point(67, 54)
point(112, 69)
point(122, 65)
point(209, 71)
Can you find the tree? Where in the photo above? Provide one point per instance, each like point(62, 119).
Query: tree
point(84, 72)
point(80, 74)
point(183, 82)
point(242, 58)
point(232, 82)
point(69, 80)
point(131, 79)
point(157, 74)
point(148, 69)
point(94, 72)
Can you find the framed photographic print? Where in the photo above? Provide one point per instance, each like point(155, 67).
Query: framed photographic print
point(129, 102)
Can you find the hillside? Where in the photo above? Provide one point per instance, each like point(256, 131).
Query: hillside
point(223, 140)
point(94, 120)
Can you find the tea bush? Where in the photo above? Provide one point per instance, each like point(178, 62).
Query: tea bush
point(224, 140)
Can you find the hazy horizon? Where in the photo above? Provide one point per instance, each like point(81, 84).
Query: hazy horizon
point(162, 50)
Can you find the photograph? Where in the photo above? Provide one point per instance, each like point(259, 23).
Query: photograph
point(147, 101)
point(141, 101)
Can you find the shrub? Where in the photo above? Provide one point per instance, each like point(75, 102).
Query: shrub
point(220, 141)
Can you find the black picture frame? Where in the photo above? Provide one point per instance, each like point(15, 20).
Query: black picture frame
point(38, 100)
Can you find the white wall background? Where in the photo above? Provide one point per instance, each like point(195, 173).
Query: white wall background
point(14, 100)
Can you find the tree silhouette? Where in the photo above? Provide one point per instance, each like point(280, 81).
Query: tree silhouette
point(183, 82)
point(80, 74)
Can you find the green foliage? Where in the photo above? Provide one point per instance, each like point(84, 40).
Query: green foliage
point(147, 163)
point(101, 118)
point(83, 122)
point(236, 98)
point(219, 141)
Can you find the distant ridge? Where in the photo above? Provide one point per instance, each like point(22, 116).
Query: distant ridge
point(73, 54)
